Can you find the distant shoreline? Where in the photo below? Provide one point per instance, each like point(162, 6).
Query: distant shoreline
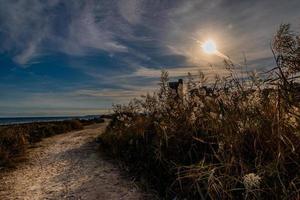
point(25, 120)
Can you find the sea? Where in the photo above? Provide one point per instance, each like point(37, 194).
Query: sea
point(24, 120)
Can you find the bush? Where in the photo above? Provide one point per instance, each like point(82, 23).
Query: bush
point(92, 121)
point(233, 138)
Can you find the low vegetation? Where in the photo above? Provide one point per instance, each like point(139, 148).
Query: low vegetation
point(236, 137)
point(14, 139)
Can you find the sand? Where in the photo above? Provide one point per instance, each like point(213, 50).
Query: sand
point(68, 166)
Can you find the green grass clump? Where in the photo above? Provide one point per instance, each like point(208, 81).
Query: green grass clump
point(236, 138)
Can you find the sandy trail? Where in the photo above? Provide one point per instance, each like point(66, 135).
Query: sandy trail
point(67, 166)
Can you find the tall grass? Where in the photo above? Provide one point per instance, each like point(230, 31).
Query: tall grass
point(236, 138)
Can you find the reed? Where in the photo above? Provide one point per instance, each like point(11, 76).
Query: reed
point(238, 140)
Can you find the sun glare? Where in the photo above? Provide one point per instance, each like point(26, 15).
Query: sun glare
point(209, 47)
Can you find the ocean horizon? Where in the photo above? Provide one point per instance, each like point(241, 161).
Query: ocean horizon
point(24, 120)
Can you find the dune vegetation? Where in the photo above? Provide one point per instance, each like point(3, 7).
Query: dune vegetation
point(233, 137)
point(14, 139)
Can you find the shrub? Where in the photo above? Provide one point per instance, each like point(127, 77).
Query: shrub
point(230, 138)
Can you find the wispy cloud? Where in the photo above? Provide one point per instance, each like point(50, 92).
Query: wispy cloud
point(131, 10)
point(238, 26)
point(23, 25)
point(91, 53)
point(86, 32)
point(72, 28)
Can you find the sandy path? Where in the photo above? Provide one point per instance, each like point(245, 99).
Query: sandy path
point(67, 166)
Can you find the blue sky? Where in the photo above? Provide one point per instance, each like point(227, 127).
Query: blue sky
point(60, 57)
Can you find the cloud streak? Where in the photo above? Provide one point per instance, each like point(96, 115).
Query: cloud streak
point(91, 53)
point(72, 28)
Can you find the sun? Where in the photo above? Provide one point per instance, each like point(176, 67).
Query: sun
point(209, 47)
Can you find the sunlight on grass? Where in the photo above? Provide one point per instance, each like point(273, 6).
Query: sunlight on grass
point(235, 138)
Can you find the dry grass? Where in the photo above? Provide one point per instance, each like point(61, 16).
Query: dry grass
point(238, 140)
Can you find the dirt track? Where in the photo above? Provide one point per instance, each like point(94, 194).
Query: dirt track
point(67, 166)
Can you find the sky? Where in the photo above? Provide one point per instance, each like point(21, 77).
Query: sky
point(60, 57)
